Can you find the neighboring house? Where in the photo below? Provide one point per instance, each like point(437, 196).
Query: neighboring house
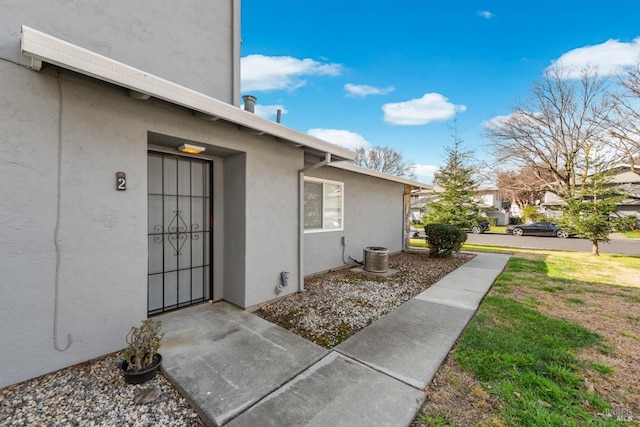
point(491, 202)
point(419, 201)
point(628, 180)
point(488, 199)
point(624, 177)
point(106, 219)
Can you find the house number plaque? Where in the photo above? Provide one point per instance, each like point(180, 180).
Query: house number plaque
point(121, 181)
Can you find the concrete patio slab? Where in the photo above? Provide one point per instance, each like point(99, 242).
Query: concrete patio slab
point(237, 369)
point(224, 359)
point(411, 342)
point(336, 391)
point(390, 272)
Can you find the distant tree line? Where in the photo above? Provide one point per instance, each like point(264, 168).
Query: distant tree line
point(566, 138)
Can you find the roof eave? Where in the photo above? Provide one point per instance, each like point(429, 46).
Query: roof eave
point(382, 175)
point(41, 47)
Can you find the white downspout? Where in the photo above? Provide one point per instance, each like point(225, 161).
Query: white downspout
point(301, 172)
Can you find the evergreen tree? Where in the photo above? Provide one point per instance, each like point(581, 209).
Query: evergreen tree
point(454, 204)
point(591, 213)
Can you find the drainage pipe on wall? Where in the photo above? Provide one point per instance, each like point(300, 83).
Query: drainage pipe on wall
point(301, 172)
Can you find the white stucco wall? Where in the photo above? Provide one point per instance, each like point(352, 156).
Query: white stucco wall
point(373, 216)
point(196, 46)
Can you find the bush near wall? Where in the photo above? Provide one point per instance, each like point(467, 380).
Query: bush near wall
point(444, 239)
point(493, 221)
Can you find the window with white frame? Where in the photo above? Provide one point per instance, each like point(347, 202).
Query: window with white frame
point(323, 204)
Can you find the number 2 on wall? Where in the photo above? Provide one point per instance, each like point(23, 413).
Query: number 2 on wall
point(121, 181)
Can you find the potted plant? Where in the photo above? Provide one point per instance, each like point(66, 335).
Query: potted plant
point(141, 359)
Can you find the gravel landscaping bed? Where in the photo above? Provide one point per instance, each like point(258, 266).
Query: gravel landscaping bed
point(335, 306)
point(92, 394)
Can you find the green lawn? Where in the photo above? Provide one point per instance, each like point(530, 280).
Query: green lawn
point(534, 363)
point(635, 234)
point(529, 361)
point(497, 229)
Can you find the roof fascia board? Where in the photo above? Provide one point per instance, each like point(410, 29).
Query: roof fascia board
point(382, 175)
point(42, 47)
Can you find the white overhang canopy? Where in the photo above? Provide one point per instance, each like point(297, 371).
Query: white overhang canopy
point(44, 48)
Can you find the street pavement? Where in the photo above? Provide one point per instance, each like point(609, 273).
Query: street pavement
point(617, 245)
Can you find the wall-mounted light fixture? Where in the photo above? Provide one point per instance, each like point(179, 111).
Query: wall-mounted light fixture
point(191, 149)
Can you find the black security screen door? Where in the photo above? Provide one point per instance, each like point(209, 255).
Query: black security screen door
point(179, 231)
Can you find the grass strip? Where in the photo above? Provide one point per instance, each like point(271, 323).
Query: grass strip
point(529, 360)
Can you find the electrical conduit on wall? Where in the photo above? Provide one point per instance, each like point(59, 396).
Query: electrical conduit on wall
point(56, 240)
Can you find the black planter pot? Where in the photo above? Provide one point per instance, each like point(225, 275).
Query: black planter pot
point(139, 377)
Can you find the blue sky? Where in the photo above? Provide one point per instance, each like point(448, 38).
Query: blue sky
point(399, 73)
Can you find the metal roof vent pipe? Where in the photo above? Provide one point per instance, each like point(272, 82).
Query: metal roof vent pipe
point(250, 103)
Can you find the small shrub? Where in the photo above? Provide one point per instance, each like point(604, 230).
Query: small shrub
point(627, 223)
point(493, 221)
point(144, 342)
point(530, 213)
point(443, 239)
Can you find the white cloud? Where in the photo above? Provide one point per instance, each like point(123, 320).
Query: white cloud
point(430, 108)
point(485, 14)
point(519, 117)
point(344, 138)
point(262, 73)
point(425, 171)
point(361, 91)
point(496, 121)
point(610, 57)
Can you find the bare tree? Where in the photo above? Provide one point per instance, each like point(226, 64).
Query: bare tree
point(624, 126)
point(563, 135)
point(385, 159)
point(556, 132)
point(522, 187)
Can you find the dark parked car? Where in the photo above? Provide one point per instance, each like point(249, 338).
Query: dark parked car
point(477, 229)
point(542, 228)
point(480, 228)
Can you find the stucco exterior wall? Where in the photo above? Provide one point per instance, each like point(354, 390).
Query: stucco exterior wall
point(103, 232)
point(197, 47)
point(82, 265)
point(235, 237)
point(373, 216)
point(272, 221)
point(102, 246)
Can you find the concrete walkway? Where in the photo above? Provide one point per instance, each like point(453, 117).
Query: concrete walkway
point(240, 370)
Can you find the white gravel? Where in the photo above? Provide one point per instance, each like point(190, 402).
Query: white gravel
point(92, 394)
point(338, 304)
point(335, 306)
